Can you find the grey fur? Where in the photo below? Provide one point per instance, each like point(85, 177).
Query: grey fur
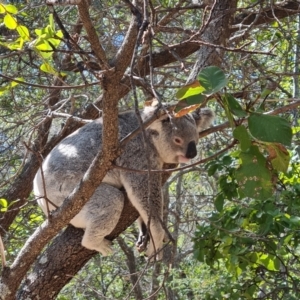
point(170, 140)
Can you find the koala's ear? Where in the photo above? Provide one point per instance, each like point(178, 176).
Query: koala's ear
point(203, 117)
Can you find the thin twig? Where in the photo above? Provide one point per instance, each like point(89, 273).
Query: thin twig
point(50, 87)
point(2, 253)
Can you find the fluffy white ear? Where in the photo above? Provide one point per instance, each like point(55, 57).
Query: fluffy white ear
point(148, 112)
point(203, 117)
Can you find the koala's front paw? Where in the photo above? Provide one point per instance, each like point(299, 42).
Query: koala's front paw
point(105, 248)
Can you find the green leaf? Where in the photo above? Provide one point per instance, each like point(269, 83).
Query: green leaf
point(228, 187)
point(10, 22)
point(3, 202)
point(55, 41)
point(234, 106)
point(199, 253)
point(48, 68)
point(212, 169)
point(295, 220)
point(39, 32)
point(51, 22)
point(11, 9)
point(250, 291)
point(190, 90)
point(241, 134)
point(45, 50)
point(254, 178)
point(279, 157)
point(272, 129)
point(23, 32)
point(2, 9)
point(15, 45)
point(227, 160)
point(266, 92)
point(212, 79)
point(270, 262)
point(219, 202)
point(196, 99)
point(9, 86)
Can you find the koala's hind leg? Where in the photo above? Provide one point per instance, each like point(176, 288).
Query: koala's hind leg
point(102, 213)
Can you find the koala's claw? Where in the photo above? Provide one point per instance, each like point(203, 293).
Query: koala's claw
point(141, 243)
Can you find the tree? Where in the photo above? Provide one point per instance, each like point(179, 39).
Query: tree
point(84, 60)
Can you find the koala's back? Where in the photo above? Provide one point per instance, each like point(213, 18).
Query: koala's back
point(70, 159)
point(85, 144)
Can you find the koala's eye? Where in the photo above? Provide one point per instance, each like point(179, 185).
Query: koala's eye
point(154, 133)
point(167, 120)
point(178, 141)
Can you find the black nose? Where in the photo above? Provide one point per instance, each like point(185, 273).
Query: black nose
point(191, 150)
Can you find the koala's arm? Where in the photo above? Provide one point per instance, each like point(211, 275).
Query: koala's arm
point(146, 196)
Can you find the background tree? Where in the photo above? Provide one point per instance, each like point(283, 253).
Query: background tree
point(236, 208)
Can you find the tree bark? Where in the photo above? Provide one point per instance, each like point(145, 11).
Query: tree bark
point(63, 258)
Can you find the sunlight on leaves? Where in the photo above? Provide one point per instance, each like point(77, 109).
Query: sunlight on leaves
point(191, 89)
point(10, 22)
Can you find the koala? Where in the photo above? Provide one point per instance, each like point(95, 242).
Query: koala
point(169, 140)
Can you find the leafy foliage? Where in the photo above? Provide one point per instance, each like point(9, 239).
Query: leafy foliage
point(249, 232)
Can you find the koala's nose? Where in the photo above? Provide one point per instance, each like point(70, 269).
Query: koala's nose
point(191, 151)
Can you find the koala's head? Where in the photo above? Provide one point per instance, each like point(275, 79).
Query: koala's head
point(176, 138)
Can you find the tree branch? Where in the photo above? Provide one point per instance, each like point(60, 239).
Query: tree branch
point(276, 11)
point(92, 35)
point(124, 54)
point(73, 256)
